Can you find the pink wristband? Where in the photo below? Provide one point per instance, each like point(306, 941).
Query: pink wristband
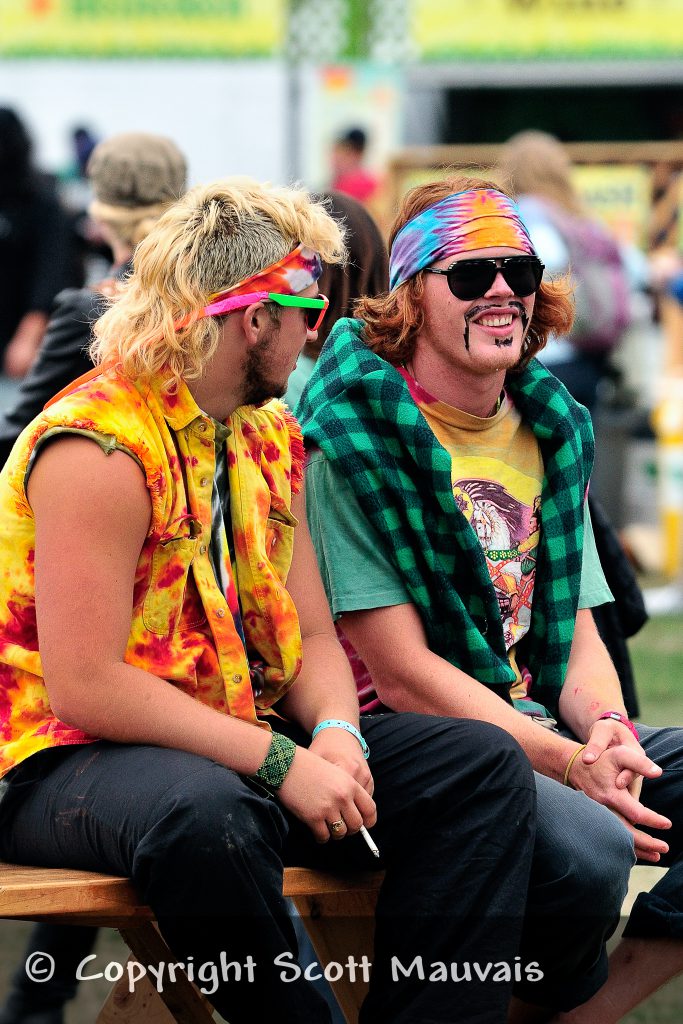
point(617, 717)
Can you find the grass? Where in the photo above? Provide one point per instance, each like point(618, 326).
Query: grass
point(657, 654)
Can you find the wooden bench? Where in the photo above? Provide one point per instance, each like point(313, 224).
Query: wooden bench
point(338, 912)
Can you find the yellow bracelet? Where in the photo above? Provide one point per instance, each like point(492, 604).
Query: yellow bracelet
point(573, 758)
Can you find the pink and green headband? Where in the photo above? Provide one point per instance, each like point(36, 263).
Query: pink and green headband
point(293, 274)
point(465, 221)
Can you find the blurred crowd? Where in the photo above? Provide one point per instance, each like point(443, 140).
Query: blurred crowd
point(49, 241)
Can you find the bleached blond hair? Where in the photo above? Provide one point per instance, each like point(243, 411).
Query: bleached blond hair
point(211, 239)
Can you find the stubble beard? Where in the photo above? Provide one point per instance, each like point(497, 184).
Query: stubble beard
point(258, 387)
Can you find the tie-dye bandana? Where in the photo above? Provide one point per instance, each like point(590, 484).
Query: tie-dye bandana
point(289, 276)
point(465, 221)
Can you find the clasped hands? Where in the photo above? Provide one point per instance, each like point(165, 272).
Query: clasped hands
point(610, 770)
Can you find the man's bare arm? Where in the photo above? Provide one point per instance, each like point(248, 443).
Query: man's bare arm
point(325, 688)
point(409, 677)
point(592, 684)
point(92, 514)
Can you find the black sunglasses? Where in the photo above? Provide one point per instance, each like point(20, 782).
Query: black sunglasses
point(470, 279)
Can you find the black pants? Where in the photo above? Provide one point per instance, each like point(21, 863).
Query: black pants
point(206, 850)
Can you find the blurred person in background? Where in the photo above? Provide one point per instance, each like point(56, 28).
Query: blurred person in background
point(36, 251)
point(83, 143)
point(349, 173)
point(535, 166)
point(75, 193)
point(134, 177)
point(366, 273)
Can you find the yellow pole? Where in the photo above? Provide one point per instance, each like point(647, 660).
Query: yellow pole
point(667, 420)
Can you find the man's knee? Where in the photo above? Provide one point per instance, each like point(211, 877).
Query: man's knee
point(584, 854)
point(603, 866)
point(499, 755)
point(483, 759)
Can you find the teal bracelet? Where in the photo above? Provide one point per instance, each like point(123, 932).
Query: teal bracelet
point(277, 762)
point(337, 723)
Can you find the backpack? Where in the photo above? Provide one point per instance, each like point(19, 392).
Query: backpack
point(601, 287)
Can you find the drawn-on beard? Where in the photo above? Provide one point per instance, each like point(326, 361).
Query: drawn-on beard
point(523, 315)
point(500, 342)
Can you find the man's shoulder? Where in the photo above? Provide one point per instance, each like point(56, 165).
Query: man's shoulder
point(101, 398)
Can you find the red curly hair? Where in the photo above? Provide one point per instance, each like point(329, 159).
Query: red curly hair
point(394, 319)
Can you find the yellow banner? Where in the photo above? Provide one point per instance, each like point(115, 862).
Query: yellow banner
point(518, 29)
point(173, 28)
point(619, 196)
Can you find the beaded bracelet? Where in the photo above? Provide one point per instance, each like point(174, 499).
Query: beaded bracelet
point(337, 723)
point(277, 761)
point(573, 758)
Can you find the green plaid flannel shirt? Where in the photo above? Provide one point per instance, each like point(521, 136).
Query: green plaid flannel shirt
point(357, 409)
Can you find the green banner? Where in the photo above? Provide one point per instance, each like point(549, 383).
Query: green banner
point(547, 29)
point(132, 28)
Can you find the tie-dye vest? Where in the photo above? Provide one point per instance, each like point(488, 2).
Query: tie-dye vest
point(182, 627)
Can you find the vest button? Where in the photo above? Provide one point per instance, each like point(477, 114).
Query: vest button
point(237, 678)
point(220, 613)
point(204, 481)
point(202, 549)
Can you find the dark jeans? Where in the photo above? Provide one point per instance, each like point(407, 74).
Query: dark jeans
point(659, 912)
point(206, 850)
point(582, 848)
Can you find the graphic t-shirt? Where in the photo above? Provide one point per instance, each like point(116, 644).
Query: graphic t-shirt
point(497, 474)
point(358, 573)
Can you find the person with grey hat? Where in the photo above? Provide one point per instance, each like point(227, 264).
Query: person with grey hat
point(134, 176)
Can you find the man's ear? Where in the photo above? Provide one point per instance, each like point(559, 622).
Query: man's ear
point(255, 320)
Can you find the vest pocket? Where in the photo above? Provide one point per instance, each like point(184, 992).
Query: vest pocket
point(279, 545)
point(164, 610)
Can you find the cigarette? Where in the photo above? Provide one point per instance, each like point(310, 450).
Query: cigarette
point(369, 840)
